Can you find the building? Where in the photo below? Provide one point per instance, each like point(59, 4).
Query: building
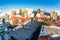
point(31, 15)
point(26, 12)
point(58, 17)
point(53, 15)
point(40, 15)
point(40, 12)
point(13, 12)
point(29, 11)
point(19, 12)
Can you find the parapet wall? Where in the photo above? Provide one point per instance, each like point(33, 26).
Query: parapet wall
point(52, 30)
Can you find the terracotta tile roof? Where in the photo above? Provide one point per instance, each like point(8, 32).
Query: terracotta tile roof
point(14, 17)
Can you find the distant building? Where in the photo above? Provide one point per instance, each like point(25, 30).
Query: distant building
point(40, 13)
point(58, 17)
point(53, 15)
point(29, 11)
point(13, 12)
point(19, 12)
point(31, 15)
point(47, 16)
point(26, 12)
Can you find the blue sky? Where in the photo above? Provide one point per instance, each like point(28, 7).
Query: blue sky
point(48, 5)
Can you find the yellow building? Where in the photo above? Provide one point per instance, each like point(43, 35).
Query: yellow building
point(53, 15)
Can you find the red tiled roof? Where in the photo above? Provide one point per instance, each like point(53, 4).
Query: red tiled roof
point(15, 18)
point(20, 18)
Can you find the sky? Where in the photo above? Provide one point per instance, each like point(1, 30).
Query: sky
point(47, 5)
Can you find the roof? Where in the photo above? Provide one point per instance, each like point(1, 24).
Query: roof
point(14, 17)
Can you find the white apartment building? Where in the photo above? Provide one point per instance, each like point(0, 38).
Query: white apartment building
point(29, 10)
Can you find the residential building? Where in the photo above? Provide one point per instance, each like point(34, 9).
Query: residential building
point(53, 15)
point(19, 12)
point(47, 16)
point(13, 12)
point(29, 11)
point(58, 17)
point(40, 12)
point(31, 15)
point(26, 12)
